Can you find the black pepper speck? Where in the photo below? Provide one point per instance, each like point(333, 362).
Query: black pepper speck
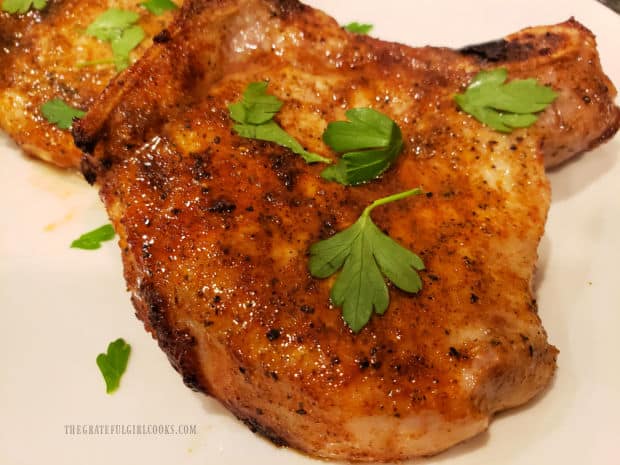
point(273, 334)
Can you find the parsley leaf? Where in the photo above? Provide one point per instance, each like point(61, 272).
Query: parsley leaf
point(254, 116)
point(92, 240)
point(22, 6)
point(57, 112)
point(110, 24)
point(365, 255)
point(371, 142)
point(118, 28)
point(123, 45)
point(502, 106)
point(257, 106)
point(272, 132)
point(159, 7)
point(113, 364)
point(359, 28)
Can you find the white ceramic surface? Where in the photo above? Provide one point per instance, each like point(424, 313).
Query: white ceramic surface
point(59, 307)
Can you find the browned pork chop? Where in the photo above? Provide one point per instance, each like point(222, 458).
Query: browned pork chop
point(40, 57)
point(215, 229)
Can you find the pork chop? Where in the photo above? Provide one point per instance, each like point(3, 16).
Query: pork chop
point(40, 57)
point(215, 229)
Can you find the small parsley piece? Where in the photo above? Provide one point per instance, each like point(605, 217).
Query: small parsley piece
point(504, 106)
point(110, 24)
point(113, 364)
point(254, 117)
point(57, 112)
point(123, 45)
point(22, 6)
point(92, 240)
point(359, 28)
point(257, 106)
point(370, 140)
point(365, 255)
point(118, 28)
point(159, 7)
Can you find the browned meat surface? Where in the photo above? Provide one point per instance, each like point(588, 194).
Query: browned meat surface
point(39, 56)
point(215, 229)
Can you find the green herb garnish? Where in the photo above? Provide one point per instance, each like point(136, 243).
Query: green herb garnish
point(159, 7)
point(113, 363)
point(22, 6)
point(359, 28)
point(57, 112)
point(110, 24)
point(504, 106)
point(254, 116)
point(370, 140)
point(365, 255)
point(118, 28)
point(92, 240)
point(122, 47)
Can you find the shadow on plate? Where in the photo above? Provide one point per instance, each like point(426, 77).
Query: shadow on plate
point(580, 172)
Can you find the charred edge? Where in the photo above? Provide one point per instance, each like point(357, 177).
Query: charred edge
point(83, 141)
point(179, 345)
point(162, 37)
point(499, 50)
point(256, 427)
point(88, 169)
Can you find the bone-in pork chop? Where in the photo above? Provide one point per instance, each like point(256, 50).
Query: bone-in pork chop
point(215, 229)
point(41, 57)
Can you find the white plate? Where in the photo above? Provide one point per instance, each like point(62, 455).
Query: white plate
point(60, 307)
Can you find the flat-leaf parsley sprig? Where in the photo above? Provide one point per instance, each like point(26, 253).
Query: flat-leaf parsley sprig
point(365, 255)
point(254, 117)
point(370, 141)
point(504, 106)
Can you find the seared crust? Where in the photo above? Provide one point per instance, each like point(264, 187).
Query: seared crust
point(40, 53)
point(215, 229)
